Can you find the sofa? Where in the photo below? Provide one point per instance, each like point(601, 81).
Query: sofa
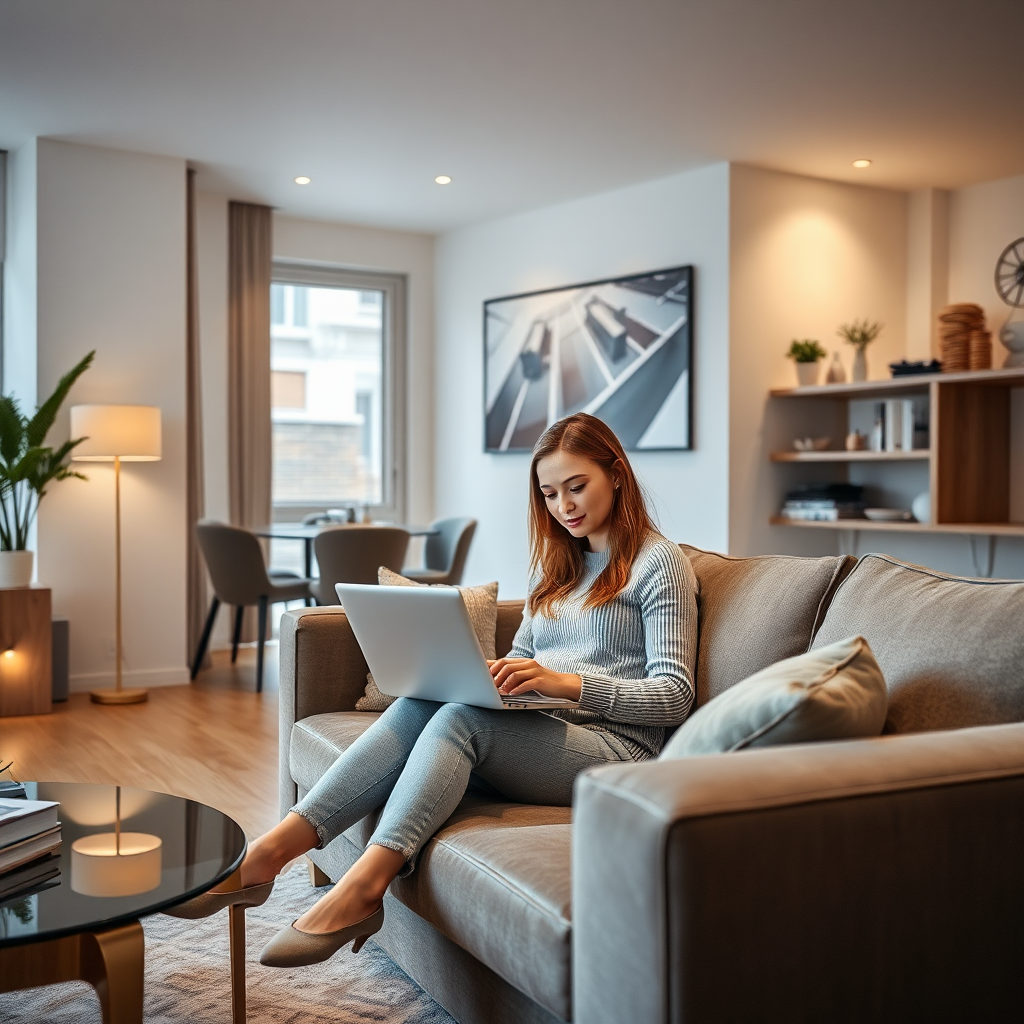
point(866, 880)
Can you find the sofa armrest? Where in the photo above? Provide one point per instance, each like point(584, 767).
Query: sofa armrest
point(869, 880)
point(322, 670)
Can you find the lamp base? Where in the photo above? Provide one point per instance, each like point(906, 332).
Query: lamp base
point(119, 696)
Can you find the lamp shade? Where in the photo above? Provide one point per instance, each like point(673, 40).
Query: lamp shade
point(128, 432)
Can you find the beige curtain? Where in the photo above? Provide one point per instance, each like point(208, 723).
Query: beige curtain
point(249, 260)
point(196, 593)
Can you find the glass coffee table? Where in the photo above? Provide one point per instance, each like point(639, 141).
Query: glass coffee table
point(79, 919)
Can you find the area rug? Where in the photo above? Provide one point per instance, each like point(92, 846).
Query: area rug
point(187, 979)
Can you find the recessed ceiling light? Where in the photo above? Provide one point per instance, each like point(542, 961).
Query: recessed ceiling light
point(862, 163)
point(303, 180)
point(443, 179)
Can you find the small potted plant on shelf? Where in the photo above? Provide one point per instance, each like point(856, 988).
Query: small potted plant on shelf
point(26, 468)
point(806, 354)
point(860, 334)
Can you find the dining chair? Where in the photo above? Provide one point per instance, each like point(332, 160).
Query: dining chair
point(239, 576)
point(353, 553)
point(445, 552)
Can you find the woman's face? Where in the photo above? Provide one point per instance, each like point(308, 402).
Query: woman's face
point(579, 494)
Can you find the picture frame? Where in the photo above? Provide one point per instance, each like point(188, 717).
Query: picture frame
point(620, 348)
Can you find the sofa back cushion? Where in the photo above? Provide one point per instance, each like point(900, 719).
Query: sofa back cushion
point(756, 611)
point(951, 647)
point(510, 618)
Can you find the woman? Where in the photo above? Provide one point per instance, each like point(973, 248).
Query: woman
point(610, 623)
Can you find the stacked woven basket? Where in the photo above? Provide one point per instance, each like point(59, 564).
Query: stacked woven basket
point(966, 344)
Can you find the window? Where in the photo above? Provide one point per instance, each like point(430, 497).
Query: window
point(337, 398)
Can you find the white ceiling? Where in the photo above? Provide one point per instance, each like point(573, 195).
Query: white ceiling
point(522, 102)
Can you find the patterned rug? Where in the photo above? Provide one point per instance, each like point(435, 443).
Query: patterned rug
point(187, 980)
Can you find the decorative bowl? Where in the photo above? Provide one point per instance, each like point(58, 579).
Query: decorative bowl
point(889, 515)
point(812, 444)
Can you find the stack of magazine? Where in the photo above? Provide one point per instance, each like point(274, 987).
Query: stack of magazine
point(824, 502)
point(29, 841)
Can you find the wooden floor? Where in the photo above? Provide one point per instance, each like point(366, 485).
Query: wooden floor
point(214, 741)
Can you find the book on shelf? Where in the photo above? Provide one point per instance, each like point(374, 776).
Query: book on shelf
point(822, 514)
point(28, 829)
point(900, 425)
point(824, 503)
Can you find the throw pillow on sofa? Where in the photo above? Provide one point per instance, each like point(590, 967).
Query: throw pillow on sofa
point(951, 647)
point(756, 611)
point(482, 605)
point(833, 693)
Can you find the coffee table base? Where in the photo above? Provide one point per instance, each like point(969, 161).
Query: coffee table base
point(112, 961)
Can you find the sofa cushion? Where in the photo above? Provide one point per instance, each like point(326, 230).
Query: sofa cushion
point(495, 879)
point(951, 647)
point(756, 611)
point(318, 741)
point(832, 693)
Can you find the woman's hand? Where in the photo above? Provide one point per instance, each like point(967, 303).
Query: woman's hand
point(521, 675)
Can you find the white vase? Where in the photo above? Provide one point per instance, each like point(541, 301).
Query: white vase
point(860, 366)
point(807, 373)
point(1012, 336)
point(15, 569)
point(921, 506)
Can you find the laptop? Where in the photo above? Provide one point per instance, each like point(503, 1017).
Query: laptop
point(419, 642)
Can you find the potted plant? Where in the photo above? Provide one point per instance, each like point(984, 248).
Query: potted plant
point(806, 355)
point(26, 468)
point(860, 334)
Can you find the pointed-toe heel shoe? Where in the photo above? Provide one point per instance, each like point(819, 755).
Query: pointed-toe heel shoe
point(210, 902)
point(292, 948)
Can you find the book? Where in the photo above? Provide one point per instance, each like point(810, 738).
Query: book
point(15, 854)
point(30, 878)
point(22, 818)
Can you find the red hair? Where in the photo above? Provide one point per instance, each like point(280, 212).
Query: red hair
point(556, 556)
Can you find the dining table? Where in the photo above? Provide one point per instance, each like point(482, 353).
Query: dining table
point(308, 532)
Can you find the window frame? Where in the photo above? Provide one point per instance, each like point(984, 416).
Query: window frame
point(394, 471)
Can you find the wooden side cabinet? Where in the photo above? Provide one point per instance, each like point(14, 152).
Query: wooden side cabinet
point(26, 652)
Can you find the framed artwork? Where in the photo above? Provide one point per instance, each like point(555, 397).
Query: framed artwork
point(620, 349)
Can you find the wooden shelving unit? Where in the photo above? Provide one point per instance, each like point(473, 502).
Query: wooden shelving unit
point(984, 529)
point(968, 458)
point(843, 456)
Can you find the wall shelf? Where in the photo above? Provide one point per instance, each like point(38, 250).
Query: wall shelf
point(854, 456)
point(916, 383)
point(967, 462)
point(974, 529)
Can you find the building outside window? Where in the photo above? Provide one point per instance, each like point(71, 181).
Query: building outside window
point(337, 397)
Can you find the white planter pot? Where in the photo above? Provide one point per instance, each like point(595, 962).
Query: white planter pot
point(15, 568)
point(808, 373)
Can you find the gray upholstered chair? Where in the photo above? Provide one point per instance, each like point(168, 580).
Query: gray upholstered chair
point(353, 553)
point(239, 576)
point(445, 552)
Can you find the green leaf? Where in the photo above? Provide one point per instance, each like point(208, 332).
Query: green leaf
point(12, 431)
point(39, 426)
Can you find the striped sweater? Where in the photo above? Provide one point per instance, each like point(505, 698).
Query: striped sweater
point(635, 655)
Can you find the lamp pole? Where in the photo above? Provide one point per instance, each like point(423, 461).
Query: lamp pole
point(118, 695)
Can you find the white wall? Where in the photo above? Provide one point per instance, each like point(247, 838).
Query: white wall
point(677, 220)
point(111, 276)
point(19, 305)
point(806, 255)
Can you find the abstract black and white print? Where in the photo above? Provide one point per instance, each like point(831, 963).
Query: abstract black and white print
point(620, 349)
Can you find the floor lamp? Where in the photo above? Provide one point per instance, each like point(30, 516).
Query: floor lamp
point(117, 433)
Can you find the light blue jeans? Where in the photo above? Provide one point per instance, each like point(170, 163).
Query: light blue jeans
point(417, 759)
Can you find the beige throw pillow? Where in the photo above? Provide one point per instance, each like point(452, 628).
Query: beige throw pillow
point(482, 605)
point(833, 693)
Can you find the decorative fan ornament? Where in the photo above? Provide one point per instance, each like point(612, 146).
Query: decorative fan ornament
point(1010, 285)
point(1010, 274)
